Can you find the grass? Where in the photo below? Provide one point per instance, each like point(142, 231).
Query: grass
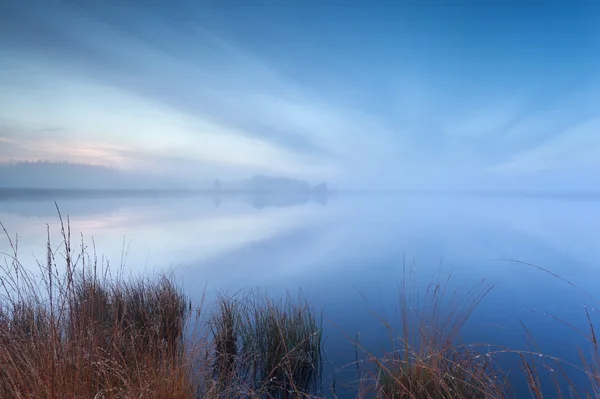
point(225, 329)
point(270, 348)
point(73, 329)
point(426, 360)
point(281, 345)
point(537, 365)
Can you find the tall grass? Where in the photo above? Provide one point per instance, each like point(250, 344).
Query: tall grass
point(538, 367)
point(225, 328)
point(72, 330)
point(271, 348)
point(427, 360)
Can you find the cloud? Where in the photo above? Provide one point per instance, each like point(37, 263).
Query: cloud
point(488, 120)
point(96, 115)
point(576, 148)
point(97, 153)
point(238, 91)
point(138, 86)
point(130, 85)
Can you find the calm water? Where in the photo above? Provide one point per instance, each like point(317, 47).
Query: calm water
point(347, 252)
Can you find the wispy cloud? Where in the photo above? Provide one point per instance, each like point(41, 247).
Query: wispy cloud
point(143, 93)
point(142, 87)
point(576, 148)
point(51, 150)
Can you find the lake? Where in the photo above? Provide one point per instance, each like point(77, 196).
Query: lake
point(347, 254)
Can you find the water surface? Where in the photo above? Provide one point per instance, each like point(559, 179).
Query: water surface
point(347, 253)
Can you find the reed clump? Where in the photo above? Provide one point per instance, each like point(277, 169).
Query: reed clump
point(427, 360)
point(270, 348)
point(72, 330)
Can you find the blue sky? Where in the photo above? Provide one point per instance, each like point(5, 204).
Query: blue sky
point(365, 94)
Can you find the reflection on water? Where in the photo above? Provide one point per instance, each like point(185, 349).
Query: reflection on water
point(347, 256)
point(32, 202)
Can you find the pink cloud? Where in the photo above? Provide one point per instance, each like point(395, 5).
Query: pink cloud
point(64, 150)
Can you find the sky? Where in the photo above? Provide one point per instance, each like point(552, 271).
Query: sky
point(404, 94)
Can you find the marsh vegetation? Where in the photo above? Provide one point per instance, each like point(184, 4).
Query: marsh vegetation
point(77, 328)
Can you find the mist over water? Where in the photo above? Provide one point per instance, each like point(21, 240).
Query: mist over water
point(347, 255)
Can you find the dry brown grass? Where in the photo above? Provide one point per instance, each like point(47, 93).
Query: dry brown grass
point(71, 329)
point(77, 332)
point(426, 360)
